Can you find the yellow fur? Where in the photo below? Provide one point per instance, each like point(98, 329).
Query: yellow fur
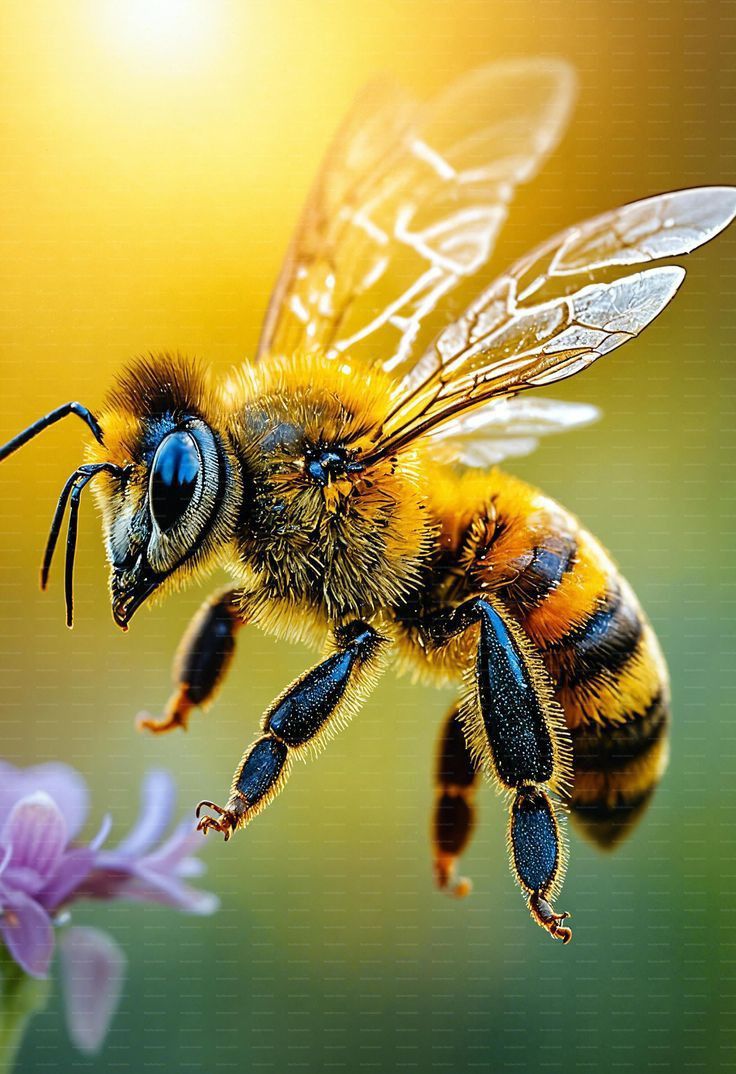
point(318, 529)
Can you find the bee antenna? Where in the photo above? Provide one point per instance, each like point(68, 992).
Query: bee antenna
point(71, 493)
point(56, 528)
point(50, 419)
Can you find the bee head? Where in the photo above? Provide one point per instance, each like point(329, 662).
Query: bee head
point(166, 480)
point(171, 504)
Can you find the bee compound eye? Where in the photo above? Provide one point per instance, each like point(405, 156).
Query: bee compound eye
point(174, 475)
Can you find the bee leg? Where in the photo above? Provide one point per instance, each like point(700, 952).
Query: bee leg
point(517, 733)
point(202, 660)
point(454, 810)
point(545, 916)
point(315, 705)
point(537, 859)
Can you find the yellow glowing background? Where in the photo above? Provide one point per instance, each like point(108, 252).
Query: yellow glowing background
point(154, 158)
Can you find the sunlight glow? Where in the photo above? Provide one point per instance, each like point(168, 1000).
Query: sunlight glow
point(176, 32)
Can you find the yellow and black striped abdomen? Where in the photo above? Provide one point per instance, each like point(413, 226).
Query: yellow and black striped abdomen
point(598, 646)
point(612, 683)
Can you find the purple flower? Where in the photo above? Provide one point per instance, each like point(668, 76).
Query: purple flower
point(44, 869)
point(144, 869)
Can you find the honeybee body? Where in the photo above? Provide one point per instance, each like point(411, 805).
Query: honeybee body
point(345, 478)
point(396, 544)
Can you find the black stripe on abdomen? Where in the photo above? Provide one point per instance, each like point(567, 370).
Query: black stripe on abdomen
point(604, 642)
point(549, 563)
point(603, 749)
point(617, 769)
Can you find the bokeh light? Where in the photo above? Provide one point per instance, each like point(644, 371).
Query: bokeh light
point(174, 35)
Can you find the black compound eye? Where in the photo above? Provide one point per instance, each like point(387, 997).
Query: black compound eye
point(174, 474)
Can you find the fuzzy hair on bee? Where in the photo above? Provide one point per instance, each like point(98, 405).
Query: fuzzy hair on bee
point(326, 530)
point(157, 398)
point(346, 478)
point(302, 524)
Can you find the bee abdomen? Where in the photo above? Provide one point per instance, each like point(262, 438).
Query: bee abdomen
point(619, 747)
point(603, 643)
point(547, 565)
point(611, 680)
point(585, 622)
point(617, 770)
point(606, 666)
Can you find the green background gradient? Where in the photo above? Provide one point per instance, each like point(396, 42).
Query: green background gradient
point(148, 188)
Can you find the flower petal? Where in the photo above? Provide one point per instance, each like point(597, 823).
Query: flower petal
point(146, 885)
point(67, 788)
point(7, 853)
point(102, 833)
point(157, 804)
point(62, 783)
point(27, 932)
point(37, 834)
point(177, 849)
point(93, 968)
point(74, 867)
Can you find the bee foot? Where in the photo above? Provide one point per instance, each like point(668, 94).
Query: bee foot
point(176, 715)
point(463, 887)
point(444, 873)
point(145, 722)
point(224, 821)
point(546, 916)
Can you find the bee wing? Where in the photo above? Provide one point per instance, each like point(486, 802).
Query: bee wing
point(536, 324)
point(506, 427)
point(408, 203)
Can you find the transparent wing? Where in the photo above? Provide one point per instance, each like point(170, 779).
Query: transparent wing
point(408, 203)
point(306, 299)
point(536, 324)
point(505, 428)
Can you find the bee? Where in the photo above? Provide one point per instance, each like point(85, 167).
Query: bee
point(346, 477)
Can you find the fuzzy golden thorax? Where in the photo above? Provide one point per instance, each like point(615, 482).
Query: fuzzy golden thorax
point(277, 491)
point(320, 530)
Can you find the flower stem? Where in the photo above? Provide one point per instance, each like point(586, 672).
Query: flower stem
point(21, 997)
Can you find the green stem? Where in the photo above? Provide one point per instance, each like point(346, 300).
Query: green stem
point(21, 997)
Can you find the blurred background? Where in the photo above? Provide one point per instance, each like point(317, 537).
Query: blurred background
point(155, 156)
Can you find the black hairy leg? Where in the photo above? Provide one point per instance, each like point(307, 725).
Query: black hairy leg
point(314, 706)
point(202, 660)
point(456, 778)
point(516, 732)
